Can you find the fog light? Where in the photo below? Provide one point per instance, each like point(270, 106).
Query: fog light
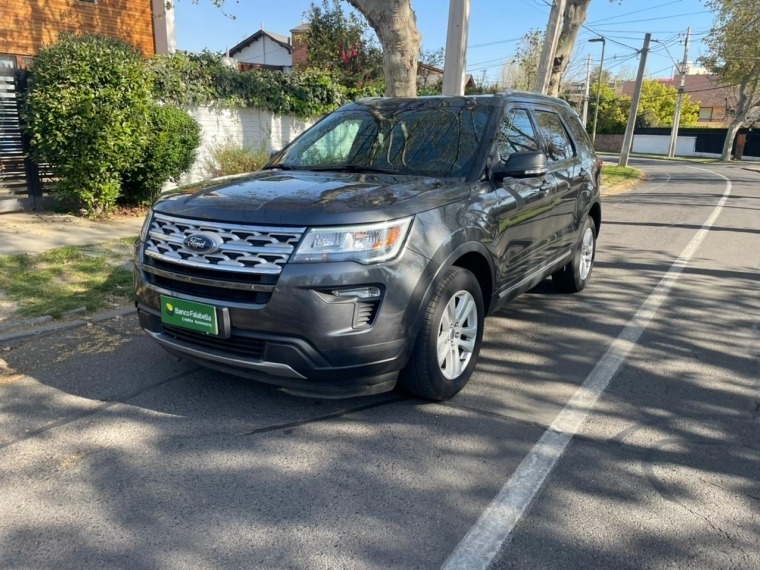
point(363, 293)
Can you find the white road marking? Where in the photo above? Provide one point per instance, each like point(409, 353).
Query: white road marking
point(484, 540)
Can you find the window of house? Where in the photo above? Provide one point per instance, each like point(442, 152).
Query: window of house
point(705, 113)
point(7, 61)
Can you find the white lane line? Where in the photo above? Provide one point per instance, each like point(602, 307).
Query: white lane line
point(484, 540)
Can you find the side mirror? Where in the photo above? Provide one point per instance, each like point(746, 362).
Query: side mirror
point(521, 165)
point(273, 154)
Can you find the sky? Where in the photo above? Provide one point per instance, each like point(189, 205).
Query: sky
point(496, 27)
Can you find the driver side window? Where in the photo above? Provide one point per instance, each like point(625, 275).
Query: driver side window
point(516, 134)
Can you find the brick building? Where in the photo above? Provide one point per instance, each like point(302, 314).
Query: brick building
point(26, 25)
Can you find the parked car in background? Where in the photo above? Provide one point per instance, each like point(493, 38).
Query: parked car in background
point(368, 252)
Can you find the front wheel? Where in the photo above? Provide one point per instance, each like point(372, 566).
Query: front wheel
point(574, 276)
point(447, 347)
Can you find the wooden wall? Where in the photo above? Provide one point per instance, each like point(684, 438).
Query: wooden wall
point(25, 25)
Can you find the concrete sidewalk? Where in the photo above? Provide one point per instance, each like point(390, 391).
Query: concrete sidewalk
point(36, 232)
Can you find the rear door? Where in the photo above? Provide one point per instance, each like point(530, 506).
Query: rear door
point(565, 166)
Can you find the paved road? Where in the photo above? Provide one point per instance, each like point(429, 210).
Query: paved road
point(114, 455)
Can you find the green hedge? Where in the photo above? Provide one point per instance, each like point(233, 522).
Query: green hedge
point(175, 136)
point(186, 79)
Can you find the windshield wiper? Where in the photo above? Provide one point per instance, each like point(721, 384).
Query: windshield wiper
point(353, 168)
point(279, 167)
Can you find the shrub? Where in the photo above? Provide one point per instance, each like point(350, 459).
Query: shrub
point(229, 158)
point(87, 113)
point(201, 79)
point(175, 136)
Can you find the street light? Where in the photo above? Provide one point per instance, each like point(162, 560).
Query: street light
point(598, 87)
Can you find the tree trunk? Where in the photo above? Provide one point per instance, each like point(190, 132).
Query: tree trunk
point(573, 18)
point(747, 91)
point(395, 24)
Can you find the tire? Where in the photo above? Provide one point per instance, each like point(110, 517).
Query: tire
point(574, 276)
point(448, 344)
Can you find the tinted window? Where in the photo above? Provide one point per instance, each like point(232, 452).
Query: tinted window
point(516, 134)
point(440, 141)
point(559, 146)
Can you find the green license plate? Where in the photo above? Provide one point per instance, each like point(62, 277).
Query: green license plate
point(189, 315)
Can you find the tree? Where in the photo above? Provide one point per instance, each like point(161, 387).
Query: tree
point(430, 81)
point(395, 24)
point(87, 114)
point(572, 20)
point(734, 56)
point(658, 103)
point(613, 109)
point(338, 42)
point(520, 72)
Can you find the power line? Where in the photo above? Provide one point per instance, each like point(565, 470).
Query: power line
point(635, 12)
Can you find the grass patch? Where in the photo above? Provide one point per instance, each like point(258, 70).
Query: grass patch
point(614, 175)
point(68, 278)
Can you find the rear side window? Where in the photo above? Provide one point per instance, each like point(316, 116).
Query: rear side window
point(516, 134)
point(558, 143)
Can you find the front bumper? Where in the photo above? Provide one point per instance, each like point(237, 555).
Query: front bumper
point(305, 338)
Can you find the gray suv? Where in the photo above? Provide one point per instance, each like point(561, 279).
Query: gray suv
point(367, 253)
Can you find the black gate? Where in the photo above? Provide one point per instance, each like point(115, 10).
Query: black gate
point(19, 177)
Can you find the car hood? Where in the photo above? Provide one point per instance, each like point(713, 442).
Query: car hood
point(303, 198)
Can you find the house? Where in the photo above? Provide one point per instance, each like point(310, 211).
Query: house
point(263, 50)
point(715, 101)
point(431, 76)
point(26, 25)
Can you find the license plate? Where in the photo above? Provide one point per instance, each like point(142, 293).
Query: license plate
point(189, 315)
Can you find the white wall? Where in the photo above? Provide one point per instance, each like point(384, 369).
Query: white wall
point(659, 144)
point(251, 128)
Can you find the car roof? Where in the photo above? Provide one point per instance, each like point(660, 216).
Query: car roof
point(492, 99)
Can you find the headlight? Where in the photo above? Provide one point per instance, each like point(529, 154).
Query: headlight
point(370, 243)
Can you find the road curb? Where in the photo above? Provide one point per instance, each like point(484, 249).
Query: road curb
point(44, 330)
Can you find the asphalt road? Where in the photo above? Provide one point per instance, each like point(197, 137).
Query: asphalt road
point(112, 454)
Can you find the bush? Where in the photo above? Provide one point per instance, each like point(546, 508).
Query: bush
point(175, 136)
point(201, 79)
point(229, 158)
point(87, 114)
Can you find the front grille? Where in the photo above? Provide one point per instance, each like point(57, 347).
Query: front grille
point(238, 344)
point(257, 250)
point(209, 291)
point(243, 266)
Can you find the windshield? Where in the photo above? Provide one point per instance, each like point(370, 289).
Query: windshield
point(418, 139)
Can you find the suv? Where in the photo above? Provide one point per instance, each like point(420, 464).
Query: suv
point(367, 253)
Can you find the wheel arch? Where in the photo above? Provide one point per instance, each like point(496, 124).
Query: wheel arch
point(596, 214)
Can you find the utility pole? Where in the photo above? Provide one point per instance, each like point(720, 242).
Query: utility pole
point(456, 47)
point(551, 38)
point(628, 139)
point(679, 98)
point(586, 90)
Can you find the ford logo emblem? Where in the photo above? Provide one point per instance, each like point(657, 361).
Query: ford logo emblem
point(202, 243)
